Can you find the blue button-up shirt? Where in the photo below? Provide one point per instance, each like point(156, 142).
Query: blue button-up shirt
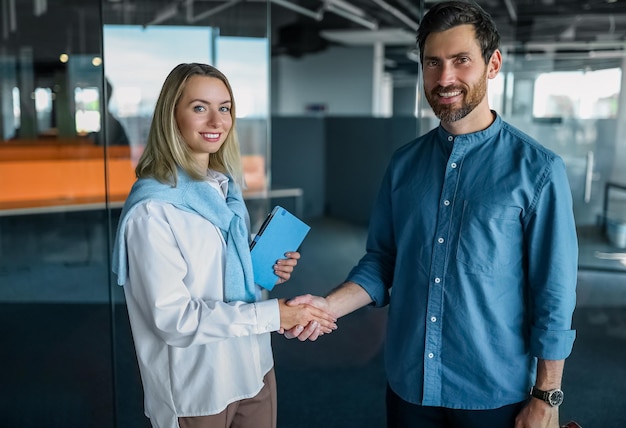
point(472, 243)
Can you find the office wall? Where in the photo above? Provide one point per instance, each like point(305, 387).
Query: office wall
point(298, 153)
point(339, 78)
point(358, 151)
point(337, 161)
point(341, 150)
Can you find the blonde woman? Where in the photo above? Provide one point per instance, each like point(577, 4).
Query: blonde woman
point(201, 331)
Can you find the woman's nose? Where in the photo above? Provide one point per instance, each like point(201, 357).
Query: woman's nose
point(214, 119)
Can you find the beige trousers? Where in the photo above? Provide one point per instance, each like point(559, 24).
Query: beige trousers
point(256, 412)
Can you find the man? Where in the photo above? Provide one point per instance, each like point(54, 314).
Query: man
point(472, 244)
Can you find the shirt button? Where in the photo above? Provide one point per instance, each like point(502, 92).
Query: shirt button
point(446, 202)
point(450, 138)
point(433, 319)
point(440, 240)
point(437, 280)
point(431, 355)
point(453, 164)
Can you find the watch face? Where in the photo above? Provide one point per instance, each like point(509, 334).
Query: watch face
point(555, 397)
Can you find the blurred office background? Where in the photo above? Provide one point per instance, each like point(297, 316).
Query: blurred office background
point(325, 91)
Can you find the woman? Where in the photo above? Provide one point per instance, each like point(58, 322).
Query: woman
point(201, 332)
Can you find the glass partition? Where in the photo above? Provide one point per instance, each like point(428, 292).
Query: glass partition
point(574, 108)
point(78, 84)
point(55, 307)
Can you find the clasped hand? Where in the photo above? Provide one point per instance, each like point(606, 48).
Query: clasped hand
point(304, 317)
point(311, 329)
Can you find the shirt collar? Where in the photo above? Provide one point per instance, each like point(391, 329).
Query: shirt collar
point(474, 137)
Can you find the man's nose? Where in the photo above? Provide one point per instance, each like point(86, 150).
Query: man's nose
point(447, 76)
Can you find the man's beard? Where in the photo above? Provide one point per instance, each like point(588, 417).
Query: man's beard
point(448, 113)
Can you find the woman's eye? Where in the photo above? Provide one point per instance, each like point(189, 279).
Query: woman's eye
point(224, 109)
point(199, 108)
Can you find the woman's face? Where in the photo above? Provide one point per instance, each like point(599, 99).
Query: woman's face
point(203, 116)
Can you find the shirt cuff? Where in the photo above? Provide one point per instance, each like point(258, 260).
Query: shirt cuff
point(551, 344)
point(267, 315)
point(377, 292)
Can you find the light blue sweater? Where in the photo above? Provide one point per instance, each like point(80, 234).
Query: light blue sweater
point(230, 216)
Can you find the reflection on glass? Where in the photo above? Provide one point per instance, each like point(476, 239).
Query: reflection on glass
point(17, 113)
point(87, 102)
point(244, 60)
point(136, 66)
point(43, 108)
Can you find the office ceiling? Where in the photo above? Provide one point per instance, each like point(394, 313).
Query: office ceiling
point(583, 32)
point(574, 33)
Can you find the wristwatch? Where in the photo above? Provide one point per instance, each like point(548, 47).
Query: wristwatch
point(553, 397)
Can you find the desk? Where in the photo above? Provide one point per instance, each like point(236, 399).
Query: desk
point(62, 176)
point(57, 206)
point(295, 193)
point(90, 204)
point(38, 177)
point(595, 253)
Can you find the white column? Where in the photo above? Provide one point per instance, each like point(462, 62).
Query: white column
point(378, 65)
point(618, 174)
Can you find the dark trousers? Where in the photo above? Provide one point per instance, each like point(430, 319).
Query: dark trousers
point(401, 414)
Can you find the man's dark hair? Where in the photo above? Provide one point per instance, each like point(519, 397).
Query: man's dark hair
point(448, 14)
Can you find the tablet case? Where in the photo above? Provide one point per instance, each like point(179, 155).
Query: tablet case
point(280, 232)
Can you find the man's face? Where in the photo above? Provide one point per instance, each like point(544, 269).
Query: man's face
point(455, 74)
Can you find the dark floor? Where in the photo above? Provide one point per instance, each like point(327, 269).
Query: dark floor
point(56, 355)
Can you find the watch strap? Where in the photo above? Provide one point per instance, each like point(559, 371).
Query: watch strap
point(553, 397)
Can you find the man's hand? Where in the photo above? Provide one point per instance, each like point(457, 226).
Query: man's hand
point(343, 300)
point(537, 414)
point(284, 267)
point(312, 330)
point(296, 314)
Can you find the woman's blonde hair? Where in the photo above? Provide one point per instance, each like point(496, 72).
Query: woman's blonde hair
point(166, 149)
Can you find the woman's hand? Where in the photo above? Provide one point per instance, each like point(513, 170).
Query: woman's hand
point(284, 267)
point(303, 314)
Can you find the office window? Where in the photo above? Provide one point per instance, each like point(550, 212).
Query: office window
point(577, 94)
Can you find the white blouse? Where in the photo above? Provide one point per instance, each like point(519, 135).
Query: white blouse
point(196, 353)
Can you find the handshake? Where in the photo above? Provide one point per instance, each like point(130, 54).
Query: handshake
point(306, 317)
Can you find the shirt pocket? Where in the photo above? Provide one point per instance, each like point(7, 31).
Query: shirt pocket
point(490, 238)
